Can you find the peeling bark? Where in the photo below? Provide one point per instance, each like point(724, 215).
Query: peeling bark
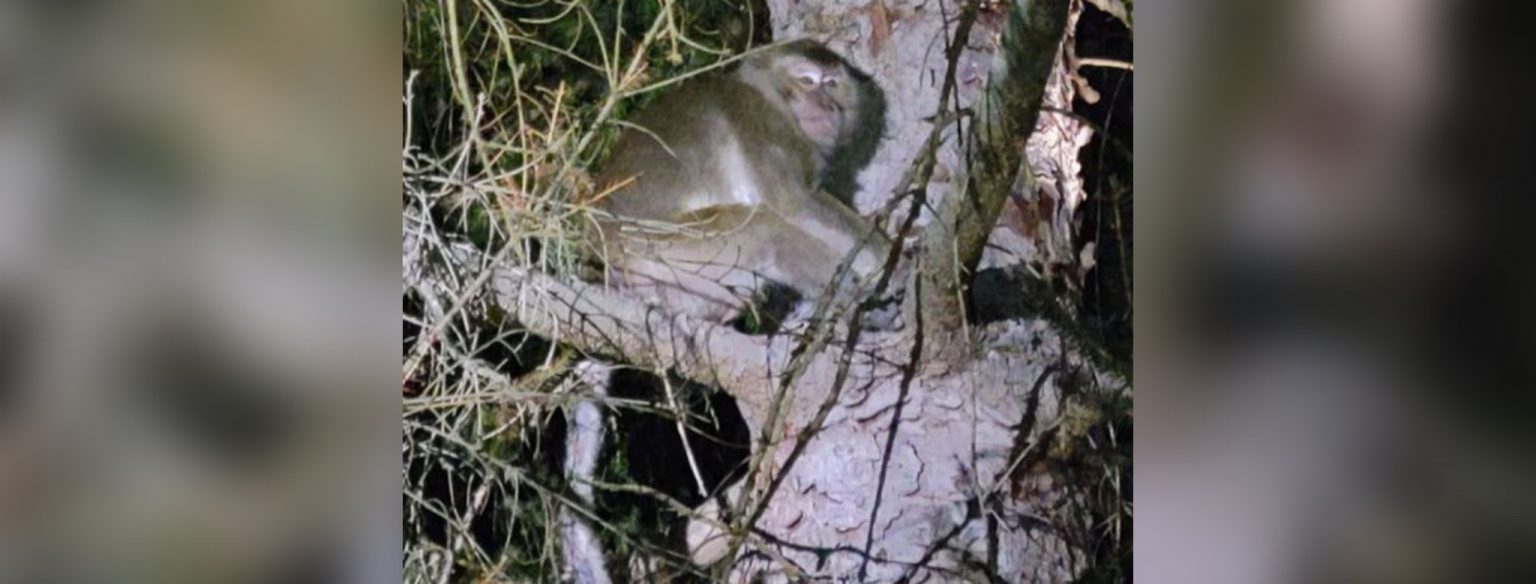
point(1004, 120)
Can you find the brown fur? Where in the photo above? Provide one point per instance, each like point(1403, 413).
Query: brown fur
point(701, 235)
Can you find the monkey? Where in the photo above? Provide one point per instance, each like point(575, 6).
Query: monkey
point(719, 189)
point(736, 183)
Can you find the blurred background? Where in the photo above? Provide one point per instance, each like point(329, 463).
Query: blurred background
point(197, 223)
point(198, 319)
point(1331, 340)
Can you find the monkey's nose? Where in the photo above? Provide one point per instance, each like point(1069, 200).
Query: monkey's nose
point(824, 100)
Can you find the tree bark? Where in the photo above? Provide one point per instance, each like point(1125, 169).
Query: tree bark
point(953, 242)
point(883, 477)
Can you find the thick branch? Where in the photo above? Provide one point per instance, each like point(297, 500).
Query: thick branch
point(597, 320)
point(953, 243)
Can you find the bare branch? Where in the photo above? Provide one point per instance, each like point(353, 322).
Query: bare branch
point(953, 243)
point(597, 320)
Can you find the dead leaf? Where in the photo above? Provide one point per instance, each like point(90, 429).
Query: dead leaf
point(880, 26)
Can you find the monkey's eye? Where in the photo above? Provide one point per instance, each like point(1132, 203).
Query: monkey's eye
point(807, 80)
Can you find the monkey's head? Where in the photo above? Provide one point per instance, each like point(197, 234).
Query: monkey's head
point(813, 85)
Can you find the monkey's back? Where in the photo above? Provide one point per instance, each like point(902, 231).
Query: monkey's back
point(713, 142)
point(716, 190)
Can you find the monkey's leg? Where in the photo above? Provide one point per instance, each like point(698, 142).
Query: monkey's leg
point(809, 254)
point(782, 253)
point(822, 217)
point(712, 273)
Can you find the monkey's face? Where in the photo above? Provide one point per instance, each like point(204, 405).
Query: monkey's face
point(819, 94)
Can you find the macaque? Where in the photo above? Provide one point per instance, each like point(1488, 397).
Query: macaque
point(720, 188)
